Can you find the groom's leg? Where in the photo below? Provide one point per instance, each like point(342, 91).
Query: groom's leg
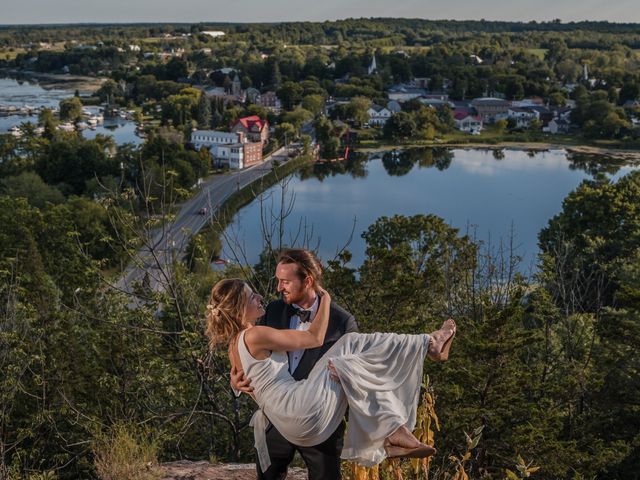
point(281, 453)
point(323, 461)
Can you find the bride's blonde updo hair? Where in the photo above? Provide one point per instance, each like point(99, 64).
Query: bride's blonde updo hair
point(225, 310)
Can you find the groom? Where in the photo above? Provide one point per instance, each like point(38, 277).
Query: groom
point(298, 273)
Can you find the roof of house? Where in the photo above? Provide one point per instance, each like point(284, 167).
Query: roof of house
point(393, 106)
point(436, 102)
point(377, 108)
point(490, 101)
point(249, 122)
point(406, 89)
point(462, 115)
point(216, 133)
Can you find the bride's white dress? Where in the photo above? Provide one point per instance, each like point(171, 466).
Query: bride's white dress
point(380, 377)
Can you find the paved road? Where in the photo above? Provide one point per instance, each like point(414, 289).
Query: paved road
point(170, 241)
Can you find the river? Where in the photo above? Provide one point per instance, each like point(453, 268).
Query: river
point(497, 196)
point(20, 93)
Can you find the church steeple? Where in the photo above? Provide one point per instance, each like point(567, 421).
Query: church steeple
point(372, 67)
point(236, 86)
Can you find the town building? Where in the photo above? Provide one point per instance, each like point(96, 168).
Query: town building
point(403, 93)
point(228, 149)
point(237, 156)
point(491, 109)
point(270, 101)
point(373, 67)
point(254, 128)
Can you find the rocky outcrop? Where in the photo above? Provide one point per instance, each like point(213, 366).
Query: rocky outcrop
point(186, 470)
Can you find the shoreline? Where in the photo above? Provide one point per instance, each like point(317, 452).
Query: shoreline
point(610, 152)
point(67, 81)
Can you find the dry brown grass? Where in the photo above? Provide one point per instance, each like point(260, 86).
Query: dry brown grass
point(126, 452)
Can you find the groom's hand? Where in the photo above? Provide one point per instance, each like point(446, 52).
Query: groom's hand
point(332, 372)
point(239, 382)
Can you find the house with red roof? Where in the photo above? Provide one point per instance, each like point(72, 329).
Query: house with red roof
point(254, 128)
point(466, 122)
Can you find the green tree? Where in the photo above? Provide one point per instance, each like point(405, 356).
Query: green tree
point(357, 109)
point(313, 103)
point(401, 126)
point(70, 109)
point(30, 186)
point(204, 112)
point(285, 133)
point(290, 94)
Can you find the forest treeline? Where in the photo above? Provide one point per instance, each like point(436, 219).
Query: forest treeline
point(548, 365)
point(410, 31)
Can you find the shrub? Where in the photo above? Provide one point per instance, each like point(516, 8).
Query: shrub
point(126, 452)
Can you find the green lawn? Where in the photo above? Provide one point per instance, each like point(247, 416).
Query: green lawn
point(10, 53)
point(538, 52)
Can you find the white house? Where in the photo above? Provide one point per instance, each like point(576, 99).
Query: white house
point(522, 116)
point(378, 115)
point(213, 33)
point(557, 125)
point(466, 122)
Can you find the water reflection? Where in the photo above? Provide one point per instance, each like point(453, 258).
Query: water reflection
point(469, 189)
point(595, 164)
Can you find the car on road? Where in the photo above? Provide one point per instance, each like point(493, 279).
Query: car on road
point(203, 211)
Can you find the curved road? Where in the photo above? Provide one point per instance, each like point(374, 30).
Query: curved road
point(171, 240)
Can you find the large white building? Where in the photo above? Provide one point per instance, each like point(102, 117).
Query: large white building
point(228, 148)
point(217, 143)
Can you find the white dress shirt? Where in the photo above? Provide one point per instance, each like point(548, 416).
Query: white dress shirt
point(296, 324)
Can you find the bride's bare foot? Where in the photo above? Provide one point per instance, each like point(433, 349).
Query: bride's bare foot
point(402, 443)
point(441, 341)
point(402, 437)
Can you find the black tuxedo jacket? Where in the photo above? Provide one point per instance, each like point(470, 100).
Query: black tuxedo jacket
point(340, 322)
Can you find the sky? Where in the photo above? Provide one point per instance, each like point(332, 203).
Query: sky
point(127, 11)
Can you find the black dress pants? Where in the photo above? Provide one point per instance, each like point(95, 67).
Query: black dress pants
point(323, 460)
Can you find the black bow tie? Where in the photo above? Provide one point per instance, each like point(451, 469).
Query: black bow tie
point(303, 315)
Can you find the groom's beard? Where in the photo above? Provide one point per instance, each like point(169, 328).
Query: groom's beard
point(293, 296)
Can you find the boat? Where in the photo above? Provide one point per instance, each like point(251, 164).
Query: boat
point(67, 127)
point(15, 131)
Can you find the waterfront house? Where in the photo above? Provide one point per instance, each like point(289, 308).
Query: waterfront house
point(491, 109)
point(557, 126)
point(466, 122)
point(522, 117)
point(378, 115)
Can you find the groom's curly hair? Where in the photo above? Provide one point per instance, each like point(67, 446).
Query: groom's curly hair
point(308, 263)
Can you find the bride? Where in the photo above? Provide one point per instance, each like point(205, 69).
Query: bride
point(379, 377)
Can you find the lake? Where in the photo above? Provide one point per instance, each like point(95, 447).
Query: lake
point(21, 93)
point(490, 194)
